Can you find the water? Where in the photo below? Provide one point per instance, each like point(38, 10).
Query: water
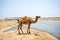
point(50, 26)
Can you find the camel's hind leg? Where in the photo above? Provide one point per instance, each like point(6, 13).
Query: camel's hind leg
point(18, 29)
point(28, 30)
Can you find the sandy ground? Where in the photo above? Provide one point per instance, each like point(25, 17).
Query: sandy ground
point(13, 35)
point(6, 24)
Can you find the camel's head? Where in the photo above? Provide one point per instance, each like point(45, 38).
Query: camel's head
point(38, 17)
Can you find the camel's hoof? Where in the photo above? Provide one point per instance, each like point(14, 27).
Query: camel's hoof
point(29, 33)
point(19, 33)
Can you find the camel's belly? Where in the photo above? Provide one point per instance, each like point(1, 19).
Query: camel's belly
point(25, 22)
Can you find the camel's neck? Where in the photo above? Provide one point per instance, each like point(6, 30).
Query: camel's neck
point(36, 19)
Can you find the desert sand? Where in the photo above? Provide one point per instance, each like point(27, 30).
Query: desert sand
point(6, 24)
point(13, 34)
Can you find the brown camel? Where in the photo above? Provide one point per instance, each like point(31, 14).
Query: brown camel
point(26, 20)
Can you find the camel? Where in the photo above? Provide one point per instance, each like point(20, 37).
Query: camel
point(27, 21)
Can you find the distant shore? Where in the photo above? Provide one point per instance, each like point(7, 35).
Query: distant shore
point(15, 18)
point(51, 18)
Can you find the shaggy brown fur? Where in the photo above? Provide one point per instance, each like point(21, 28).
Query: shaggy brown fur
point(26, 20)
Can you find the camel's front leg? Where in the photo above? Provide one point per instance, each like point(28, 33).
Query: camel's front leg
point(21, 28)
point(28, 30)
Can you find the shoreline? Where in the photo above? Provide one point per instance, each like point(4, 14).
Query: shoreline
point(37, 31)
point(35, 34)
point(46, 32)
point(31, 28)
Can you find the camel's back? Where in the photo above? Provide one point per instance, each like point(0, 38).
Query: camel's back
point(25, 20)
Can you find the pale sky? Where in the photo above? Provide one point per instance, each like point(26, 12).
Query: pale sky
point(18, 8)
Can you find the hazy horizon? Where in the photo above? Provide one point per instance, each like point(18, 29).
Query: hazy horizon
point(18, 8)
